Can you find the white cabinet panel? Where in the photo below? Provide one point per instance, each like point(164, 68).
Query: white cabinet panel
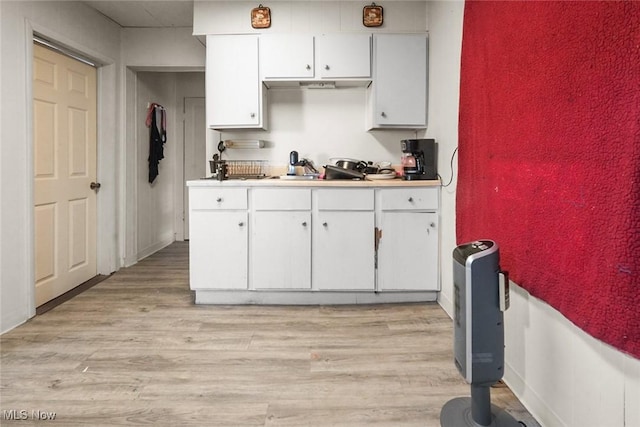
point(286, 56)
point(398, 93)
point(408, 251)
point(218, 250)
point(233, 88)
point(345, 199)
point(281, 250)
point(343, 56)
point(316, 240)
point(409, 199)
point(218, 198)
point(279, 199)
point(343, 250)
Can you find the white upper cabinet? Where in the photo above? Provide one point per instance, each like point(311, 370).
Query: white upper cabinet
point(341, 56)
point(286, 56)
point(234, 91)
point(394, 66)
point(297, 57)
point(397, 97)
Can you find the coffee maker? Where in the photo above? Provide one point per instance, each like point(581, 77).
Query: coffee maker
point(419, 159)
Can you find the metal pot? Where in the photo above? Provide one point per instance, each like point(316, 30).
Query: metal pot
point(351, 164)
point(335, 172)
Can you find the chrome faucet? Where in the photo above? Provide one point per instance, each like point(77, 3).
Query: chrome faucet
point(308, 166)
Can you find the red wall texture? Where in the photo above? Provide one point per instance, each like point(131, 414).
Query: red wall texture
point(549, 154)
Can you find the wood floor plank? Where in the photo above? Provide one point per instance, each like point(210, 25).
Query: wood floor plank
point(135, 350)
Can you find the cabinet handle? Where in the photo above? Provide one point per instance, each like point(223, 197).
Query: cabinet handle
point(308, 67)
point(240, 224)
point(383, 114)
point(410, 199)
point(326, 67)
point(253, 115)
point(304, 223)
point(432, 225)
point(219, 199)
point(324, 224)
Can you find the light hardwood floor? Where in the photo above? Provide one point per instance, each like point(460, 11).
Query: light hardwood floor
point(135, 350)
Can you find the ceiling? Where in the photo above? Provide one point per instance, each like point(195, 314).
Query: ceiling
point(146, 13)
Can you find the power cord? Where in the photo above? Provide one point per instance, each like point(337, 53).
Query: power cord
point(451, 167)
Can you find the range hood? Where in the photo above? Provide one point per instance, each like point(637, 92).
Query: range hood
point(316, 84)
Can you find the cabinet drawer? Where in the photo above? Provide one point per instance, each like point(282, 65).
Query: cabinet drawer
point(345, 200)
point(277, 199)
point(218, 198)
point(409, 199)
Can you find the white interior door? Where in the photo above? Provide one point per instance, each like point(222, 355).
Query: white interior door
point(194, 149)
point(64, 137)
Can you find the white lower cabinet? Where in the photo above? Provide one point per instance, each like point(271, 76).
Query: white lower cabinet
point(408, 251)
point(343, 239)
point(281, 238)
point(409, 239)
point(218, 253)
point(281, 250)
point(288, 244)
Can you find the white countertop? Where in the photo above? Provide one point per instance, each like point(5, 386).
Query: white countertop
point(276, 182)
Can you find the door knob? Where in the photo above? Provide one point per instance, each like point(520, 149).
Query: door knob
point(94, 186)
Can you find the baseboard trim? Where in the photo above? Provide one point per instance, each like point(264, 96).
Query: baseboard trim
point(152, 249)
point(530, 399)
point(207, 296)
point(49, 305)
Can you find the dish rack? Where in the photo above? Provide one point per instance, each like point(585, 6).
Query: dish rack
point(247, 169)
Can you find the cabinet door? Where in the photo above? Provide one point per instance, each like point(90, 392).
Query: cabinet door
point(286, 56)
point(343, 251)
point(218, 255)
point(281, 250)
point(343, 56)
point(399, 89)
point(408, 251)
point(233, 88)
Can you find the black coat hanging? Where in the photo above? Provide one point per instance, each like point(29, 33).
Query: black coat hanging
point(157, 138)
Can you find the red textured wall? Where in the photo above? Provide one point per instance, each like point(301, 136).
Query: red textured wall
point(549, 154)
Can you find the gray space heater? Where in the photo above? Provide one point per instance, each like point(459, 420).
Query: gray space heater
point(481, 295)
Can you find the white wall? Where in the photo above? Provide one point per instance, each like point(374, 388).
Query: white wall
point(162, 49)
point(307, 120)
point(319, 124)
point(166, 50)
point(562, 375)
point(159, 203)
point(445, 40)
point(155, 202)
point(227, 17)
point(83, 29)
